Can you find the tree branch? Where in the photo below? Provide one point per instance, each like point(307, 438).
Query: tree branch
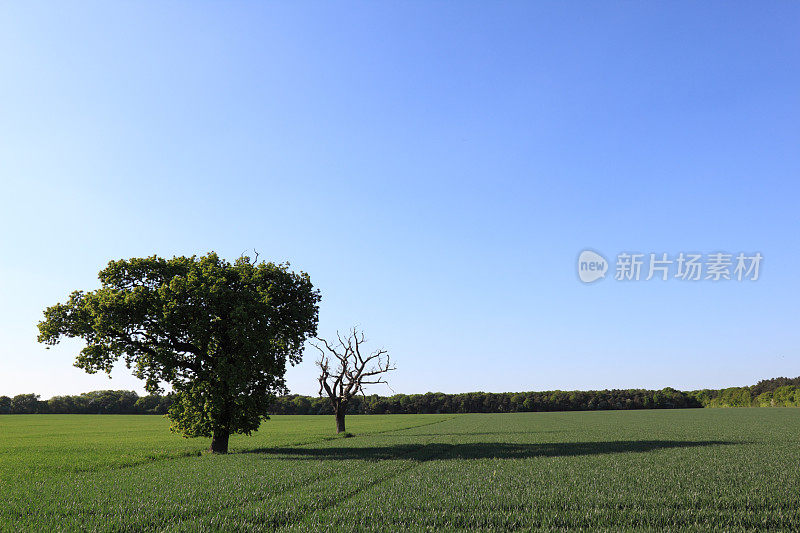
point(352, 372)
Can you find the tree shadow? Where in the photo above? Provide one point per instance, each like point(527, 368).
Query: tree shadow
point(478, 450)
point(409, 432)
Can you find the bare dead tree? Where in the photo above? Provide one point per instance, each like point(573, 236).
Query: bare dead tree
point(352, 371)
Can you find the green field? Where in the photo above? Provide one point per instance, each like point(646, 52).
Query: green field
point(728, 469)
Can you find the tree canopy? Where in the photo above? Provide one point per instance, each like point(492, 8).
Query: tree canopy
point(220, 334)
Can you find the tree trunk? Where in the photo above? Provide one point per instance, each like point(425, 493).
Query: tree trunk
point(219, 442)
point(340, 420)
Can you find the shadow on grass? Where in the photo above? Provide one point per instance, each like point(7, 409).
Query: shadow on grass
point(478, 450)
point(472, 434)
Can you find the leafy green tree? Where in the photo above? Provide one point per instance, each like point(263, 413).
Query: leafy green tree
point(61, 405)
point(148, 404)
point(220, 334)
point(165, 403)
point(703, 397)
point(25, 404)
point(732, 397)
point(301, 405)
point(105, 402)
point(784, 396)
point(5, 405)
point(764, 399)
point(770, 385)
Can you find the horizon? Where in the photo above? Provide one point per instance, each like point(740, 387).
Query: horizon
point(437, 169)
point(450, 393)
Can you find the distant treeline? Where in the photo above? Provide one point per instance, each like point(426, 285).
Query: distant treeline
point(777, 392)
point(101, 402)
point(491, 402)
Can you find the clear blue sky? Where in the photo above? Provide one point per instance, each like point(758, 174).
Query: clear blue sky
point(435, 166)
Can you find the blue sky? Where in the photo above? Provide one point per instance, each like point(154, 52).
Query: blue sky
point(436, 167)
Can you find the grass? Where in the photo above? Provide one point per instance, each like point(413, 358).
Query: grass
point(698, 469)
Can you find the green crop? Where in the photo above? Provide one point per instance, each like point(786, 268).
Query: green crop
point(724, 469)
